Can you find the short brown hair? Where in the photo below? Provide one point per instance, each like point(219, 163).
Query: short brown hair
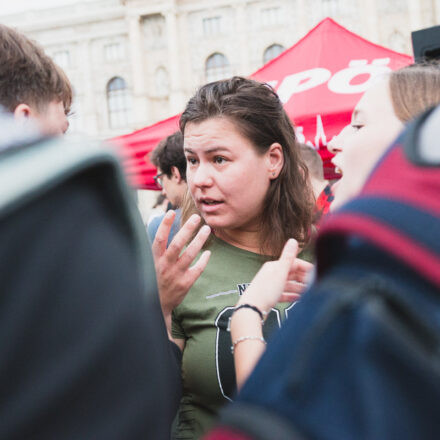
point(169, 153)
point(258, 113)
point(414, 89)
point(28, 75)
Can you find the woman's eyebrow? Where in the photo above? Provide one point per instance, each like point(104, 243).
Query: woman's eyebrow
point(209, 151)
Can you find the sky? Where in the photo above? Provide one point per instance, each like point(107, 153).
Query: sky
point(11, 7)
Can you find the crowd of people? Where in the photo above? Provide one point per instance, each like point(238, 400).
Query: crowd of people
point(250, 311)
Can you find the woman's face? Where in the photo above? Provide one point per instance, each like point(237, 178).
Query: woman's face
point(227, 178)
point(359, 145)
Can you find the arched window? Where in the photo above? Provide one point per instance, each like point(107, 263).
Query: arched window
point(271, 52)
point(217, 67)
point(162, 82)
point(119, 103)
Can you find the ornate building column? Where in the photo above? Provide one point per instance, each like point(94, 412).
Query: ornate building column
point(369, 14)
point(301, 20)
point(139, 96)
point(177, 99)
point(415, 15)
point(89, 108)
point(242, 30)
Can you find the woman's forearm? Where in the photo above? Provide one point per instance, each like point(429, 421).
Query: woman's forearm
point(247, 335)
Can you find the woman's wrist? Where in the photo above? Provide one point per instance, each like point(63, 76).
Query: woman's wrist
point(245, 322)
point(263, 308)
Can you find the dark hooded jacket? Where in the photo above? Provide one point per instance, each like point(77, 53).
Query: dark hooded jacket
point(84, 352)
point(360, 358)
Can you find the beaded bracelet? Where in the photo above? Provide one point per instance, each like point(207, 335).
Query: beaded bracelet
point(247, 338)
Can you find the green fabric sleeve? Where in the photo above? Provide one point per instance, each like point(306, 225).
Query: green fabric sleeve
point(176, 327)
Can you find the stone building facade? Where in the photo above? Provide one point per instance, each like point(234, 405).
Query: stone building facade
point(135, 62)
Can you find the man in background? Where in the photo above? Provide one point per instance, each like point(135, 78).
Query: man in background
point(170, 161)
point(32, 86)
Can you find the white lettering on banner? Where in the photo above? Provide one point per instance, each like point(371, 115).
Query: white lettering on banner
point(299, 131)
point(320, 133)
point(340, 82)
point(320, 136)
point(301, 81)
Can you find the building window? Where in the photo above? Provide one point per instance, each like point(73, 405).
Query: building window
point(271, 16)
point(119, 103)
point(162, 82)
point(211, 26)
point(113, 52)
point(217, 67)
point(271, 52)
point(62, 58)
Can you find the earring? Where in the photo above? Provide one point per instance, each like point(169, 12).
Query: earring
point(273, 174)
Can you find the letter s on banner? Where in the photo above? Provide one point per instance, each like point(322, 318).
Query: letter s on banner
point(301, 81)
point(340, 81)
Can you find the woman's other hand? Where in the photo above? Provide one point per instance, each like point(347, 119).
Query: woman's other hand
point(174, 273)
point(282, 280)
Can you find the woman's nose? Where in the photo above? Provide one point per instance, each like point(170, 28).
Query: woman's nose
point(202, 176)
point(335, 145)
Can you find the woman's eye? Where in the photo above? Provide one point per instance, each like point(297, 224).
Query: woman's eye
point(219, 160)
point(191, 160)
point(356, 126)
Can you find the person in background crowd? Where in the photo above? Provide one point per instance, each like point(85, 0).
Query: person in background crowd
point(170, 162)
point(32, 86)
point(159, 208)
point(339, 368)
point(321, 187)
point(248, 182)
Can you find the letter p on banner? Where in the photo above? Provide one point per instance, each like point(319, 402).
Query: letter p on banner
point(301, 81)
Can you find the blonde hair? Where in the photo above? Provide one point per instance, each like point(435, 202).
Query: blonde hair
point(414, 89)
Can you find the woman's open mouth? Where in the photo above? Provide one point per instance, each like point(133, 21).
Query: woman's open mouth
point(209, 205)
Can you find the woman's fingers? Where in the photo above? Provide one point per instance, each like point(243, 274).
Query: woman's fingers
point(294, 287)
point(195, 246)
point(199, 267)
point(288, 255)
point(181, 239)
point(289, 297)
point(163, 231)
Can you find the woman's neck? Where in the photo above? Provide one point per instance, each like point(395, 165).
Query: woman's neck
point(244, 239)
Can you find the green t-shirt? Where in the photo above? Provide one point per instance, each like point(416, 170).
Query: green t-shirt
point(201, 319)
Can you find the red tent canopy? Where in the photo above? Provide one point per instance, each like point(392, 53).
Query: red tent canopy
point(319, 79)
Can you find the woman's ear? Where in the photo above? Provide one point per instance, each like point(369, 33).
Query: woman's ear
point(275, 158)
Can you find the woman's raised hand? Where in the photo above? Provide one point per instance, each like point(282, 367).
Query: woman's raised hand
point(174, 273)
point(282, 280)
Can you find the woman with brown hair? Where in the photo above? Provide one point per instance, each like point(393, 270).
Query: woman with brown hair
point(248, 183)
point(376, 121)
